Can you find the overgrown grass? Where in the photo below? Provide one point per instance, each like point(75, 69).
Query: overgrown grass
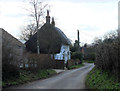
point(0, 83)
point(75, 66)
point(27, 76)
point(97, 79)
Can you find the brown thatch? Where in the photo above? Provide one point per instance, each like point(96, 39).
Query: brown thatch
point(50, 40)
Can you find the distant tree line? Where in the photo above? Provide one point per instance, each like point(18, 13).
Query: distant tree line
point(86, 52)
point(108, 54)
point(89, 52)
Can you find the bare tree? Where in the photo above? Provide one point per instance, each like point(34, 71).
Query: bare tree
point(28, 32)
point(37, 13)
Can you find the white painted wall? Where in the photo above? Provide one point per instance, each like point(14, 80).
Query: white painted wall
point(64, 53)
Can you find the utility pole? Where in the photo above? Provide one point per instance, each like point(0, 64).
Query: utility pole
point(119, 19)
point(78, 40)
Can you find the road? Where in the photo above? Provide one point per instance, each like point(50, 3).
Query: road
point(70, 79)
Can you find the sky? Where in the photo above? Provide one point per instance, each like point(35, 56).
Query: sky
point(93, 18)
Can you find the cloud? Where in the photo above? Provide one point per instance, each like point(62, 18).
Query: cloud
point(92, 17)
point(88, 1)
point(95, 19)
point(12, 17)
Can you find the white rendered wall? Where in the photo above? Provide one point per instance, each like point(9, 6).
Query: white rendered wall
point(64, 53)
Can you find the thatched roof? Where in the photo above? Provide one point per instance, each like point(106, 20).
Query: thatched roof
point(50, 40)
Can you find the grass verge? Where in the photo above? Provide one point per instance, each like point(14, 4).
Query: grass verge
point(88, 61)
point(27, 76)
point(96, 79)
point(75, 66)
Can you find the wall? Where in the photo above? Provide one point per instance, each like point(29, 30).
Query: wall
point(17, 48)
point(59, 64)
point(64, 53)
point(73, 62)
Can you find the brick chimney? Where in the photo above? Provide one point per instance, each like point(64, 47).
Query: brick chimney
point(53, 22)
point(48, 17)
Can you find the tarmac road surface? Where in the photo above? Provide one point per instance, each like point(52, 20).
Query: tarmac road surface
point(69, 79)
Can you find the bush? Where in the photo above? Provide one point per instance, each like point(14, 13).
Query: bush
point(28, 76)
point(9, 61)
point(10, 71)
point(108, 55)
point(76, 55)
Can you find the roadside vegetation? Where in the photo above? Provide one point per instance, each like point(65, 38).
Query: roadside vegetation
point(28, 76)
point(106, 74)
point(89, 53)
point(88, 61)
point(34, 67)
point(77, 55)
point(76, 61)
point(75, 66)
point(97, 79)
point(81, 55)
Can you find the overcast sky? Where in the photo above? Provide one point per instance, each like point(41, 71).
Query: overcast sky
point(93, 18)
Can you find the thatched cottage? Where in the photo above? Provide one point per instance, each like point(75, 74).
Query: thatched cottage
point(51, 41)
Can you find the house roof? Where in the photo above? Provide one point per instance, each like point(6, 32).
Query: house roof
point(10, 39)
point(50, 39)
point(63, 36)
